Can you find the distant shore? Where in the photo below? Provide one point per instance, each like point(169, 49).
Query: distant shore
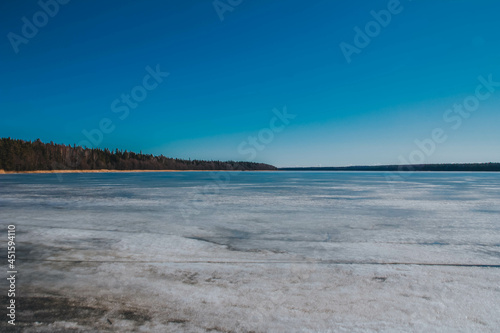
point(107, 171)
point(446, 167)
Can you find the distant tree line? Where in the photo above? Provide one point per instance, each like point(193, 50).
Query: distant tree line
point(20, 155)
point(415, 167)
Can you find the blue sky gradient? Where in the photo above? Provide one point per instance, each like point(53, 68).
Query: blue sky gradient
point(226, 77)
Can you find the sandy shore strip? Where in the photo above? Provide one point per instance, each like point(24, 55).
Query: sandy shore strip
point(110, 171)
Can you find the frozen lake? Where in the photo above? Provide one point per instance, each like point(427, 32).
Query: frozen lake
point(255, 251)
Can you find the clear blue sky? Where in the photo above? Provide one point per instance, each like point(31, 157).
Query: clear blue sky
point(226, 76)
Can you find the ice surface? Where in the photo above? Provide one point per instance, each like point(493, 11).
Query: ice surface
point(256, 251)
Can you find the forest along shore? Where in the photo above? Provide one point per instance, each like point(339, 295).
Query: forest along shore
point(111, 171)
point(20, 156)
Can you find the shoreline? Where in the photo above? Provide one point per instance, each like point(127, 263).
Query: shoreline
point(3, 172)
